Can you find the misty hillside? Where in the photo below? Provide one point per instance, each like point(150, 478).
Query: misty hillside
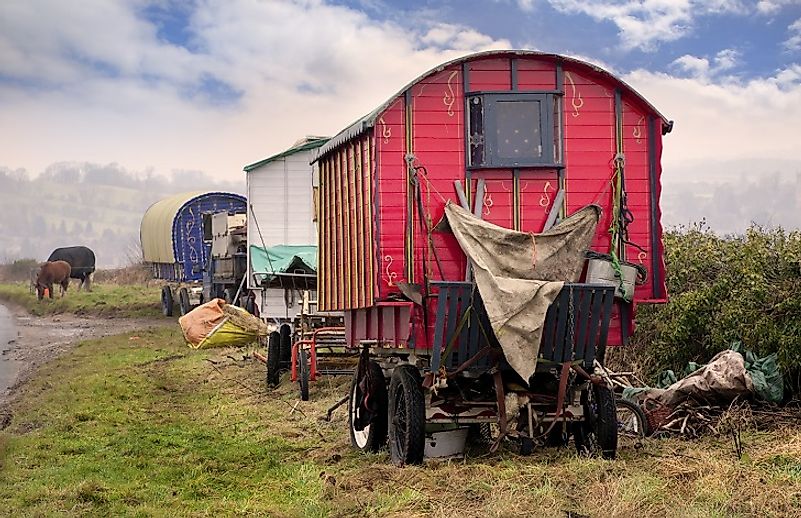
point(99, 206)
point(731, 206)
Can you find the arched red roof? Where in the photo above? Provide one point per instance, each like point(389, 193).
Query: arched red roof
point(369, 120)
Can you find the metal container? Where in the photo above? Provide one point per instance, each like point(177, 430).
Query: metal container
point(600, 271)
point(446, 443)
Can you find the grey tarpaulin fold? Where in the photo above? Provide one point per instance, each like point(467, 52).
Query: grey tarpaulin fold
point(519, 275)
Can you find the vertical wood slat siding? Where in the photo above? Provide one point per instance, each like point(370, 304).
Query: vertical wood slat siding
point(356, 233)
point(322, 236)
point(368, 247)
point(347, 254)
point(347, 270)
point(340, 233)
point(357, 211)
point(372, 243)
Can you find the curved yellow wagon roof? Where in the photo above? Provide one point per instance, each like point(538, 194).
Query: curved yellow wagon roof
point(155, 231)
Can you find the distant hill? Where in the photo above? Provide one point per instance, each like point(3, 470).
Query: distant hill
point(99, 206)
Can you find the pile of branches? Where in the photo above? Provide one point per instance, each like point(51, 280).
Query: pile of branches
point(691, 419)
point(687, 419)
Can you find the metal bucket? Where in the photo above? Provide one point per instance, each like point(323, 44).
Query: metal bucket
point(600, 271)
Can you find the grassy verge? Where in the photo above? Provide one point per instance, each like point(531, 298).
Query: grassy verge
point(140, 425)
point(104, 300)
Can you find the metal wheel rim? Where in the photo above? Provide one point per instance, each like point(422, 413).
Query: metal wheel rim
point(628, 424)
point(359, 436)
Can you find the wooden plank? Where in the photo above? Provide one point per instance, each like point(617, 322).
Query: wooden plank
point(357, 217)
point(555, 208)
point(457, 184)
point(340, 236)
point(322, 238)
point(371, 215)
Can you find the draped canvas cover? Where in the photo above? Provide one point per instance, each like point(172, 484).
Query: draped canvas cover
point(519, 275)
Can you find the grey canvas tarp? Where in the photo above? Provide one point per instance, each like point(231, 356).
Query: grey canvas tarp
point(519, 274)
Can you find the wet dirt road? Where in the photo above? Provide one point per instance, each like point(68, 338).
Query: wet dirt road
point(9, 367)
point(28, 341)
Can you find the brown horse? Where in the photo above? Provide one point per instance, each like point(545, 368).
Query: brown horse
point(51, 272)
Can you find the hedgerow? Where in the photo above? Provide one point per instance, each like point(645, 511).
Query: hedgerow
point(724, 289)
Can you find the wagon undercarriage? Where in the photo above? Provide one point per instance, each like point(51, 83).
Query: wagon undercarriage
point(429, 393)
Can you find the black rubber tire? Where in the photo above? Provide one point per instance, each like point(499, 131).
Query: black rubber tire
point(557, 437)
point(183, 301)
point(286, 344)
point(407, 417)
point(167, 301)
point(376, 435)
point(303, 373)
point(273, 353)
point(638, 428)
point(250, 305)
point(597, 434)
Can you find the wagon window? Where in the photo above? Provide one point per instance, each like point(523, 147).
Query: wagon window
point(517, 130)
point(512, 130)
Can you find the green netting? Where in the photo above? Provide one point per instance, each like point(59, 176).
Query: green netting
point(765, 373)
point(267, 263)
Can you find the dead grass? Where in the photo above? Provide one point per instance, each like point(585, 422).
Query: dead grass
point(149, 427)
point(138, 274)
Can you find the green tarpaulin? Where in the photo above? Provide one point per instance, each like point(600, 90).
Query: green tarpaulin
point(269, 262)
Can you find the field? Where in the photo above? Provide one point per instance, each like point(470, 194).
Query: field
point(140, 425)
point(105, 299)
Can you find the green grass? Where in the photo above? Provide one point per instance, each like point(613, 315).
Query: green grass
point(139, 425)
point(103, 300)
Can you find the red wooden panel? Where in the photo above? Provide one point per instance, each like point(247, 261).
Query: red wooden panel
point(537, 193)
point(535, 75)
point(490, 74)
point(447, 143)
point(391, 211)
point(489, 64)
point(497, 206)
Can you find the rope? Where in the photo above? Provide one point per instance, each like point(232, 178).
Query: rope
point(261, 237)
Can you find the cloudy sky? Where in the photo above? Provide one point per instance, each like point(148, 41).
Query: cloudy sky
point(212, 85)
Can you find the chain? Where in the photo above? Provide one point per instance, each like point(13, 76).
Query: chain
point(571, 319)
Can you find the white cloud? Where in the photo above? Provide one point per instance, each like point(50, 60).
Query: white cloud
point(725, 120)
point(98, 83)
point(794, 41)
point(526, 5)
point(773, 6)
point(703, 68)
point(645, 23)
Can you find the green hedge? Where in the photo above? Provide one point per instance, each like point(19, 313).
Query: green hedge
point(724, 289)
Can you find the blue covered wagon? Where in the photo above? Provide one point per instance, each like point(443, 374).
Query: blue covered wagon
point(176, 237)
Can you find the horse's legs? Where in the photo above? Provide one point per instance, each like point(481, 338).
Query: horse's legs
point(50, 290)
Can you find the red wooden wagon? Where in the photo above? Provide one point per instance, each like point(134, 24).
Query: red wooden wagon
point(530, 138)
